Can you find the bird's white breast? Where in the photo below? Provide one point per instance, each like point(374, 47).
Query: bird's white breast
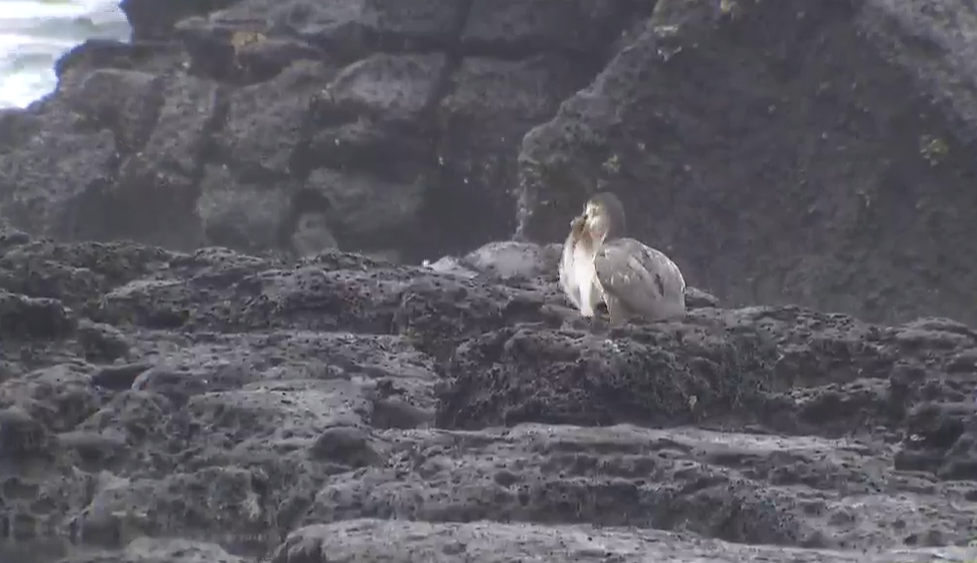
point(585, 274)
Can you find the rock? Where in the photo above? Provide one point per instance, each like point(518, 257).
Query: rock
point(150, 550)
point(53, 179)
point(941, 438)
point(345, 445)
point(479, 128)
point(156, 57)
point(102, 342)
point(240, 215)
point(462, 112)
point(772, 184)
point(21, 437)
point(270, 409)
point(352, 29)
point(695, 298)
point(583, 27)
point(27, 317)
point(259, 373)
point(59, 396)
point(153, 19)
point(513, 259)
point(308, 113)
point(482, 543)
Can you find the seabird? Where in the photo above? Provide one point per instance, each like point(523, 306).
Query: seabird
point(599, 265)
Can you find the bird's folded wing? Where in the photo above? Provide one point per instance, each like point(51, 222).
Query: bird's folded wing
point(622, 272)
point(669, 272)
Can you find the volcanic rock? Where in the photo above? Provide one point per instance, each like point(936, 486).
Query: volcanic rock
point(164, 406)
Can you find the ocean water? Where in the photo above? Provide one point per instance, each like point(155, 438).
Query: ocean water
point(34, 33)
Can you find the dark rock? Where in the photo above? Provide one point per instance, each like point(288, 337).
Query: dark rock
point(318, 399)
point(368, 126)
point(119, 378)
point(310, 111)
point(264, 401)
point(157, 57)
point(346, 445)
point(23, 317)
point(104, 343)
point(154, 19)
point(770, 162)
point(940, 437)
point(480, 129)
point(583, 28)
point(21, 437)
point(484, 542)
point(697, 299)
point(151, 550)
point(678, 374)
point(352, 29)
point(59, 396)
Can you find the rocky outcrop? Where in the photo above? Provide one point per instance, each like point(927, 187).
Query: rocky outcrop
point(216, 406)
point(766, 148)
point(790, 152)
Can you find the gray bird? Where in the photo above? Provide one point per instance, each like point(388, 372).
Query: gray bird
point(599, 265)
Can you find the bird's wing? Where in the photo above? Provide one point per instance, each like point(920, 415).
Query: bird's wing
point(656, 261)
point(637, 275)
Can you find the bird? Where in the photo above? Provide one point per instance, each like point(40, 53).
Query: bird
point(600, 265)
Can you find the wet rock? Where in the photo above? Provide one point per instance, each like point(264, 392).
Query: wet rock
point(339, 403)
point(103, 343)
point(95, 99)
point(432, 101)
point(479, 130)
point(346, 445)
point(58, 396)
point(480, 542)
point(364, 211)
point(151, 550)
point(940, 438)
point(53, 179)
point(240, 215)
point(153, 19)
point(258, 400)
point(695, 298)
point(21, 437)
point(701, 119)
point(155, 57)
point(582, 27)
point(29, 317)
point(119, 377)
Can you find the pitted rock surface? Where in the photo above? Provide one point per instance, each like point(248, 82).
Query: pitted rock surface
point(216, 406)
point(757, 143)
point(261, 377)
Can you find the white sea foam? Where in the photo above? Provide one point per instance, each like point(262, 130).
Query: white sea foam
point(33, 34)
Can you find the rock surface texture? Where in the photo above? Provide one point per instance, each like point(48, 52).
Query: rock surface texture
point(158, 406)
point(260, 377)
point(808, 152)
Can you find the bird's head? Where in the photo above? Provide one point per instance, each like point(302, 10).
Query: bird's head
point(603, 216)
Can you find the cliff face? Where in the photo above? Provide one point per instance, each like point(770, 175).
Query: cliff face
point(783, 152)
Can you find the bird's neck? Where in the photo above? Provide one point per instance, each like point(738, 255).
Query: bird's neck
point(588, 242)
